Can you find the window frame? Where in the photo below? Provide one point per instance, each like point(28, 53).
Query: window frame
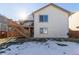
point(42, 18)
point(42, 29)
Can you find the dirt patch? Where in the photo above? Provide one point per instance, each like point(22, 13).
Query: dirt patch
point(61, 44)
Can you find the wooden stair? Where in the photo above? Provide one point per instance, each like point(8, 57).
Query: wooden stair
point(19, 28)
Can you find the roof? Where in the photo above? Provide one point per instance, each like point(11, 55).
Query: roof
point(28, 21)
point(54, 6)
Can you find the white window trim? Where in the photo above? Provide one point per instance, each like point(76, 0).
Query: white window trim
point(46, 30)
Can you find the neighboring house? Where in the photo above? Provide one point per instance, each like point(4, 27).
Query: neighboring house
point(74, 25)
point(10, 28)
point(3, 25)
point(51, 21)
point(74, 21)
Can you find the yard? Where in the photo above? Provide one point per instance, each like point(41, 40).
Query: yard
point(49, 47)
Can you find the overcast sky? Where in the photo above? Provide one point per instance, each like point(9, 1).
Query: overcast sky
point(14, 10)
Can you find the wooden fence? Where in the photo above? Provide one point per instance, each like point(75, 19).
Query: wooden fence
point(73, 34)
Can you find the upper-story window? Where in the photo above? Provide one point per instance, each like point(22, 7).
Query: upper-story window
point(43, 18)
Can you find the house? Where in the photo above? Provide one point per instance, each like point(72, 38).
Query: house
point(51, 21)
point(4, 28)
point(10, 28)
point(74, 25)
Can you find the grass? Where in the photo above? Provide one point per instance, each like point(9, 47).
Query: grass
point(5, 45)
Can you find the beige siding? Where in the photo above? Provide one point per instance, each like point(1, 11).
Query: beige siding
point(57, 23)
point(74, 21)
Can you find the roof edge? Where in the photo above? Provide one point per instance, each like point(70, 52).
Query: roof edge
point(53, 5)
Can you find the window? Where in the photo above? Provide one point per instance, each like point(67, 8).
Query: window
point(43, 18)
point(43, 30)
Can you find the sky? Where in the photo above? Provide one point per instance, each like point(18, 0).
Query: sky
point(16, 10)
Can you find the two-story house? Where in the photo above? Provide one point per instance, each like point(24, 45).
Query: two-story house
point(51, 21)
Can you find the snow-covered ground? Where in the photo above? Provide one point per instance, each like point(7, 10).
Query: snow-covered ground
point(43, 48)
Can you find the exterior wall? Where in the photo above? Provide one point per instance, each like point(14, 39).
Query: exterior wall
point(57, 23)
point(3, 24)
point(74, 21)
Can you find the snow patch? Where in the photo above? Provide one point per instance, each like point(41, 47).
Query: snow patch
point(42, 48)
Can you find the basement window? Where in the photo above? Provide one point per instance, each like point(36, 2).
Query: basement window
point(43, 30)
